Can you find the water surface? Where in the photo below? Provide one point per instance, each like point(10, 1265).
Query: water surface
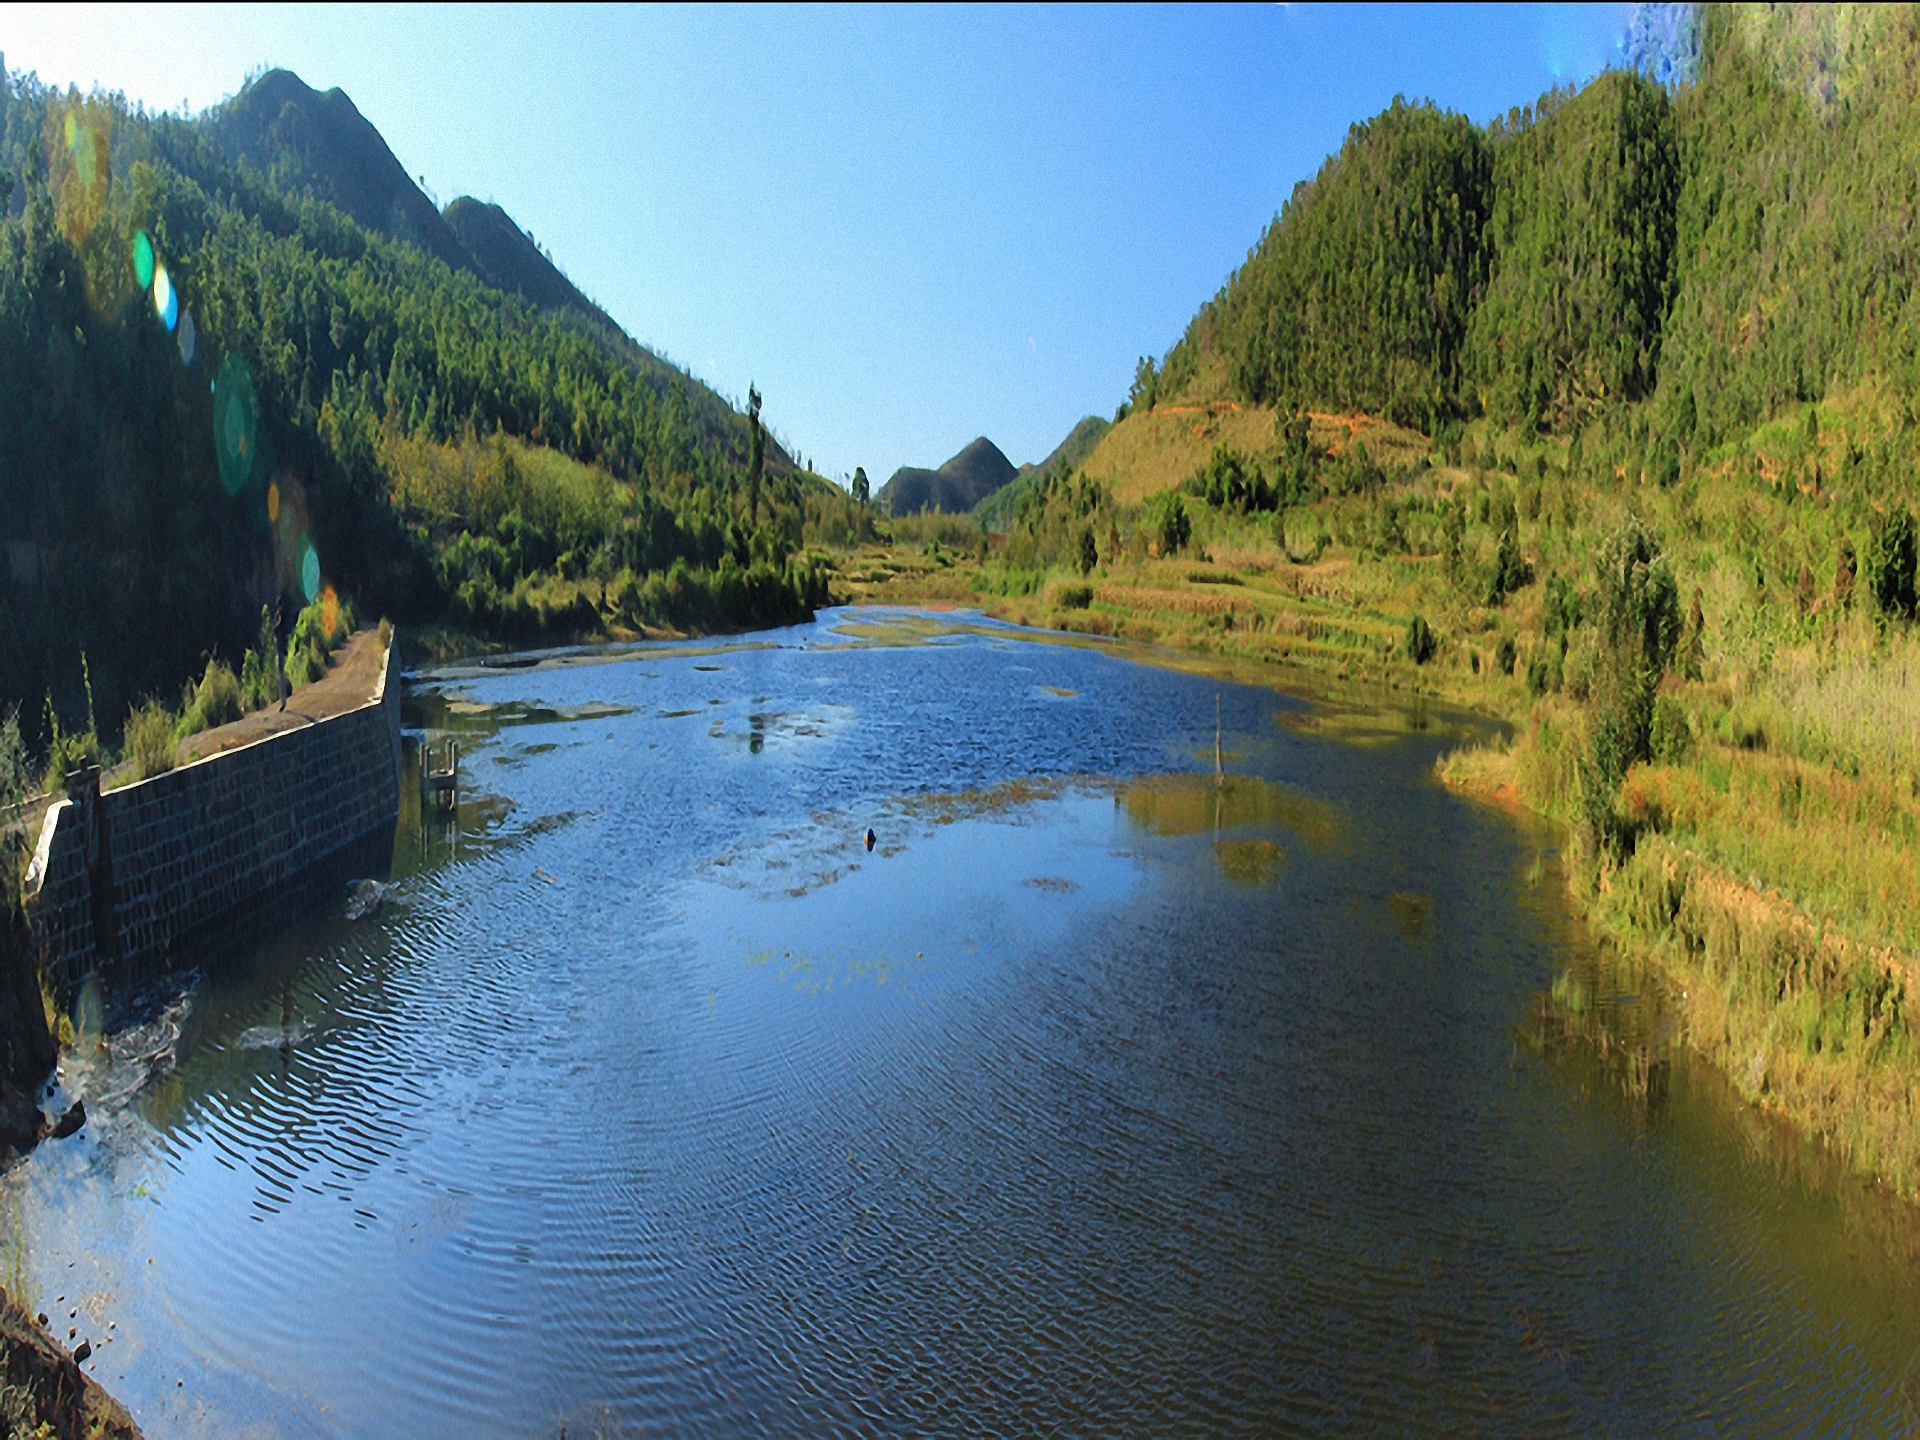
point(1104, 1095)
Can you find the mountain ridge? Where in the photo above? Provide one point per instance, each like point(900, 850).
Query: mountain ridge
point(318, 143)
point(955, 488)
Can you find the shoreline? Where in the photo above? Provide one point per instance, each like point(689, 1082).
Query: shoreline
point(1800, 1015)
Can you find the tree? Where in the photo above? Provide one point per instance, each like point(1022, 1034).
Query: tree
point(1419, 643)
point(756, 453)
point(1174, 527)
point(861, 491)
point(1089, 553)
point(1891, 563)
point(1640, 627)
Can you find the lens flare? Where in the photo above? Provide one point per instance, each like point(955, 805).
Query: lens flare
point(234, 424)
point(329, 609)
point(79, 177)
point(142, 259)
point(310, 575)
point(166, 304)
point(187, 337)
point(273, 504)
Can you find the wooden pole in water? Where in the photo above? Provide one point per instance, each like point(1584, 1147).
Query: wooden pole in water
point(1217, 778)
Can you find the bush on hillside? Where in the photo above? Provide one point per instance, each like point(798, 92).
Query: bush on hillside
point(1891, 563)
point(1419, 643)
point(1172, 527)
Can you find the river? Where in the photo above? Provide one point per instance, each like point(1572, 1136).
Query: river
point(1104, 1095)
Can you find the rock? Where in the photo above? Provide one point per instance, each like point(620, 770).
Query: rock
point(27, 1049)
point(57, 1392)
point(364, 897)
point(68, 1123)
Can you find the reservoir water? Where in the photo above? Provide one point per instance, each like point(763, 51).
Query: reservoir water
point(1102, 1096)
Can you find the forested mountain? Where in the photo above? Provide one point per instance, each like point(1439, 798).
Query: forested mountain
point(214, 378)
point(955, 488)
point(508, 259)
point(304, 142)
point(1722, 248)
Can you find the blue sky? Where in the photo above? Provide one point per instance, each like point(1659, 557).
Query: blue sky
point(908, 227)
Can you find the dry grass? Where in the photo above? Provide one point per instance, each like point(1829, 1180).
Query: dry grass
point(1154, 450)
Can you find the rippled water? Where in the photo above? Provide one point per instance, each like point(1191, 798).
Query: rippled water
point(1101, 1097)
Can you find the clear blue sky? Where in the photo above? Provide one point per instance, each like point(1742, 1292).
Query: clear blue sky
point(908, 227)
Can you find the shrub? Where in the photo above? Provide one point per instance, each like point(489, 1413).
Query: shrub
point(1073, 597)
point(1232, 482)
point(1172, 526)
point(1419, 643)
point(1505, 654)
point(1670, 737)
point(1891, 563)
point(16, 785)
point(259, 668)
point(216, 700)
point(1640, 624)
point(150, 746)
point(66, 752)
point(320, 629)
point(1510, 569)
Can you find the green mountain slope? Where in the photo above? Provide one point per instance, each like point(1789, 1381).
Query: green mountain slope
point(955, 488)
point(1724, 249)
point(507, 258)
point(997, 510)
point(223, 389)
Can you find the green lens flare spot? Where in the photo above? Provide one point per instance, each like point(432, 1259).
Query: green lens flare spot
point(142, 259)
point(235, 421)
point(310, 575)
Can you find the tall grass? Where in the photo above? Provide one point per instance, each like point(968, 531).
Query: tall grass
point(150, 748)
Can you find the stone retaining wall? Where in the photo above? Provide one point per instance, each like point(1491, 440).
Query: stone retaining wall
point(120, 879)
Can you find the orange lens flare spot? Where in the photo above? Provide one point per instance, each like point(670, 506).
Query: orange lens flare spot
point(273, 503)
point(329, 611)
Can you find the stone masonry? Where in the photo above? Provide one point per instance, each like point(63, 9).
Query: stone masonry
point(118, 878)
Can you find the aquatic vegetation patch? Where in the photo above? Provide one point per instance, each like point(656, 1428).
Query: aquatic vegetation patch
point(1051, 885)
point(1191, 804)
point(1250, 862)
point(1411, 911)
point(1004, 801)
point(1386, 722)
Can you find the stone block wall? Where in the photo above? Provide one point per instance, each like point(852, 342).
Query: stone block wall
point(122, 888)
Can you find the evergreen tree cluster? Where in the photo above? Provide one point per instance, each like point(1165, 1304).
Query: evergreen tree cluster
point(1723, 238)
